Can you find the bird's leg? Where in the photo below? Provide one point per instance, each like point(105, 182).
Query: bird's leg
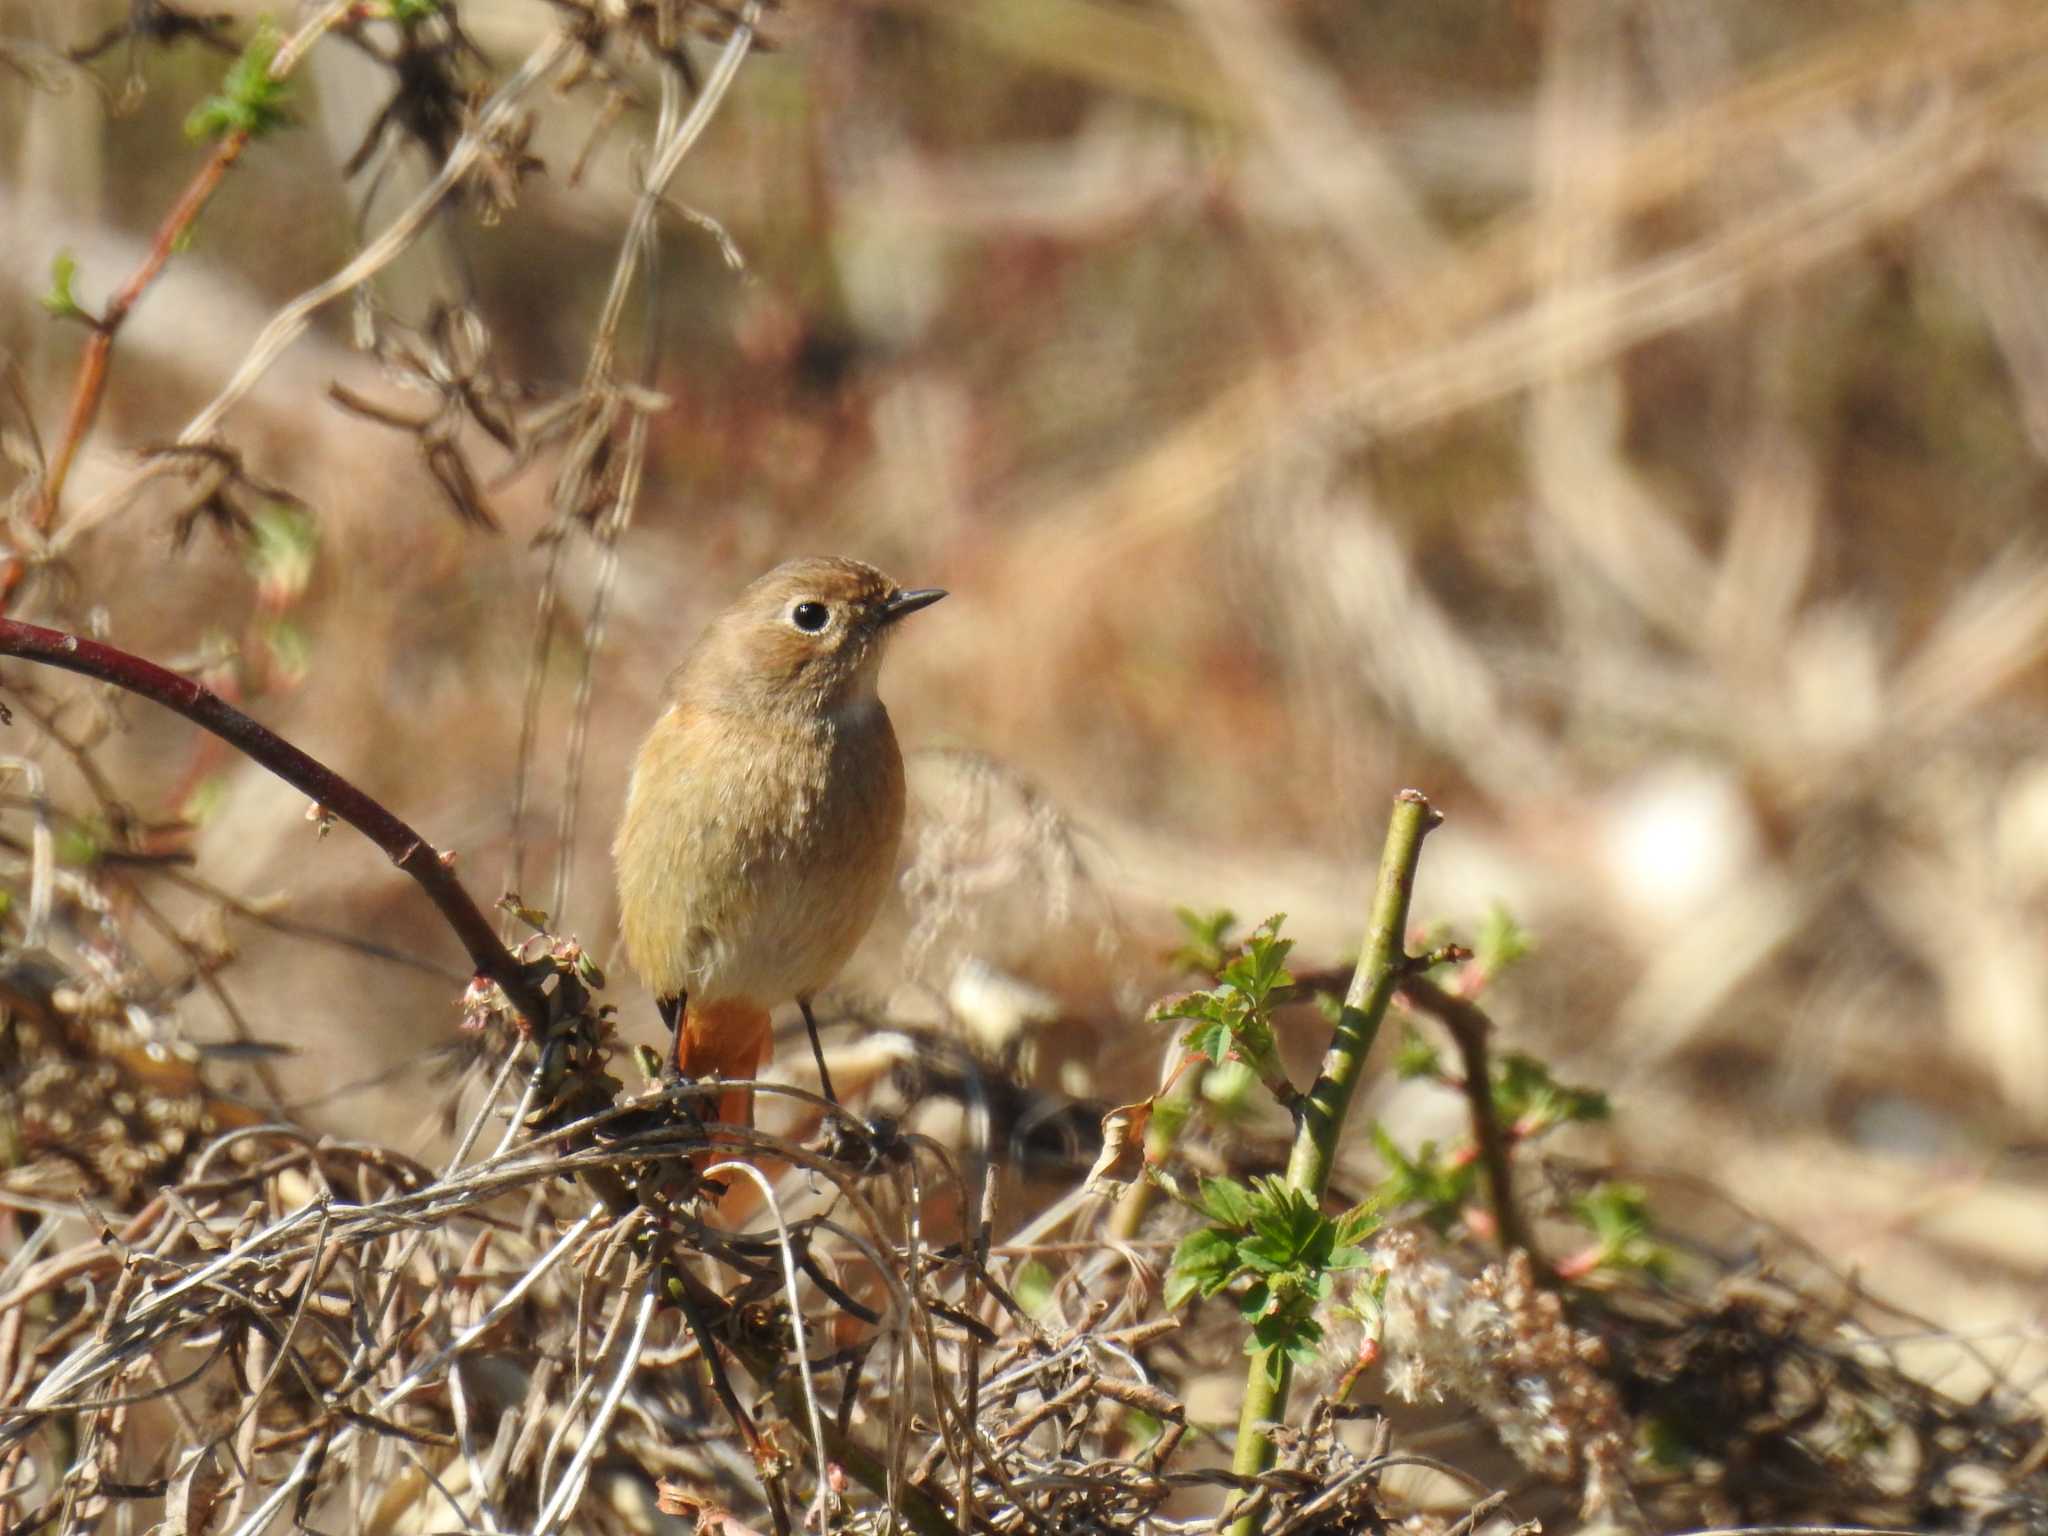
point(817, 1051)
point(671, 1011)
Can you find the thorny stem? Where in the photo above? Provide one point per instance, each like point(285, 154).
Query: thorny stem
point(1469, 1027)
point(1381, 968)
point(405, 847)
point(91, 386)
point(90, 389)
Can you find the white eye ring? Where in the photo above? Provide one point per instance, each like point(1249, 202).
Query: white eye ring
point(810, 616)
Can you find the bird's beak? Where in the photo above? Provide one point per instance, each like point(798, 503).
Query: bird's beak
point(899, 602)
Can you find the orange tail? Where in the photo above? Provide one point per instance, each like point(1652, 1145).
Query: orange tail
point(729, 1037)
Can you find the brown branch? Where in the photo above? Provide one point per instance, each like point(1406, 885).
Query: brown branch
point(91, 386)
point(1469, 1027)
point(401, 844)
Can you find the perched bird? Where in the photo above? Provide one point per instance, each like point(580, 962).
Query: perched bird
point(766, 806)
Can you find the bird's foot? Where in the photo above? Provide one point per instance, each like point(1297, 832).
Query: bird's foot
point(865, 1147)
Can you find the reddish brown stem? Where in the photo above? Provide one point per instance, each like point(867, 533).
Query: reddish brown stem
point(405, 847)
point(1469, 1027)
point(91, 386)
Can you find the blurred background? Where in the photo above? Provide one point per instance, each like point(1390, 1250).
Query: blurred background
point(1623, 420)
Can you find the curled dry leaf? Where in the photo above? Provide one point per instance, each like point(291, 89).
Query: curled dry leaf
point(1123, 1146)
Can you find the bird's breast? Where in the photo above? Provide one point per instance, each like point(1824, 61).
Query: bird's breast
point(754, 852)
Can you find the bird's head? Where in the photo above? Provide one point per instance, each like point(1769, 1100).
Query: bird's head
point(806, 638)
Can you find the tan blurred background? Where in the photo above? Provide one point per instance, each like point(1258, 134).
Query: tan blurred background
point(1623, 419)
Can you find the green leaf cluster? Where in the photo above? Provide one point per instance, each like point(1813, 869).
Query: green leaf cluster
point(1440, 1182)
point(1415, 1057)
point(1619, 1216)
point(1443, 1181)
point(60, 299)
point(1501, 941)
point(1532, 1101)
point(1206, 947)
point(1233, 1020)
point(282, 546)
point(251, 100)
point(82, 843)
point(1276, 1238)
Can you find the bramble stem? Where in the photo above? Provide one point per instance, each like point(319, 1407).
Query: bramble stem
point(406, 848)
point(1381, 965)
point(91, 385)
point(89, 389)
point(1469, 1028)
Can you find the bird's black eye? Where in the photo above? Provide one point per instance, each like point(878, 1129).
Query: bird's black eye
point(810, 617)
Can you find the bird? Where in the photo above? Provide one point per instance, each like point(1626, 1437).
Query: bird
point(764, 813)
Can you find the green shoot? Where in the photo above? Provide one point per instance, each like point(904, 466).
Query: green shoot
point(1619, 1218)
point(250, 101)
point(1273, 1237)
point(1233, 1021)
point(1208, 945)
point(60, 299)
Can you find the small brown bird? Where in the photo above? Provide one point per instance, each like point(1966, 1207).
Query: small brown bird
point(766, 806)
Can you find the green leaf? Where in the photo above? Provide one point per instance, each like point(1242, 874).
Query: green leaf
point(1266, 1253)
point(1211, 1042)
point(1182, 1287)
point(1441, 1187)
point(410, 12)
point(1032, 1285)
point(1284, 1330)
point(1234, 1018)
point(1202, 1265)
point(1358, 1223)
point(1227, 1202)
point(80, 844)
point(1205, 1249)
point(1256, 1302)
point(291, 652)
point(1526, 1095)
point(1207, 945)
point(1619, 1216)
point(250, 100)
point(1229, 1086)
point(1415, 1057)
point(1501, 941)
point(1261, 968)
point(60, 299)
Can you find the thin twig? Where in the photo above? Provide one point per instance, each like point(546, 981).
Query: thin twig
point(89, 389)
point(638, 246)
point(1469, 1028)
point(285, 327)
